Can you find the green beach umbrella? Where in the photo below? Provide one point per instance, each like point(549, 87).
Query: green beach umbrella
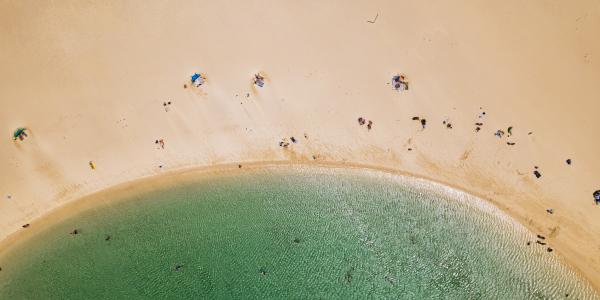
point(18, 132)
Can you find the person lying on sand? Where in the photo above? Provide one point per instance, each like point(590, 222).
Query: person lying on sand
point(259, 80)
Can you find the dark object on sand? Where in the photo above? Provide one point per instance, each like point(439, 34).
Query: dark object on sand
point(541, 237)
point(550, 210)
point(415, 118)
point(537, 174)
point(399, 82)
point(293, 139)
point(510, 143)
point(528, 243)
point(479, 124)
point(370, 125)
point(107, 238)
point(374, 20)
point(477, 129)
point(75, 231)
point(19, 133)
point(549, 249)
point(423, 123)
point(568, 161)
point(541, 243)
point(239, 166)
point(449, 125)
point(409, 149)
point(597, 197)
point(259, 80)
point(509, 130)
point(25, 226)
point(499, 133)
point(361, 121)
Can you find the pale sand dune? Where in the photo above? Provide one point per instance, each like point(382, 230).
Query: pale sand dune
point(89, 81)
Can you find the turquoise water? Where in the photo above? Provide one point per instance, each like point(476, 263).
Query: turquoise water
point(289, 234)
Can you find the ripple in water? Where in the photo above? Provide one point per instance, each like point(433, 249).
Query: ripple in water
point(281, 233)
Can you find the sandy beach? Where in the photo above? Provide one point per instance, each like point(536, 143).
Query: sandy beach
point(91, 82)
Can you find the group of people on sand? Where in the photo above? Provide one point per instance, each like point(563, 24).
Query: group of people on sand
point(362, 121)
point(399, 82)
point(284, 141)
point(160, 142)
point(197, 79)
point(541, 240)
point(166, 105)
point(423, 121)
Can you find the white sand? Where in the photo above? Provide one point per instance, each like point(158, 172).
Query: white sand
point(89, 81)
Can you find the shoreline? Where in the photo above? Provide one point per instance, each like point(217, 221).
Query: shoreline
point(191, 173)
point(506, 89)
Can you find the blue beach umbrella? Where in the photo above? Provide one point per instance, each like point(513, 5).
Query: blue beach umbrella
point(195, 77)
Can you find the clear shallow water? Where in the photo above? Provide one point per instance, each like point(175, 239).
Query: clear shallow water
point(302, 233)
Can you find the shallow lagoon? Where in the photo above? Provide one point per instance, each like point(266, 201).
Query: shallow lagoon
point(289, 233)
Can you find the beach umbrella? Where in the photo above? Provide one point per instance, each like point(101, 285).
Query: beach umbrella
point(18, 132)
point(195, 77)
